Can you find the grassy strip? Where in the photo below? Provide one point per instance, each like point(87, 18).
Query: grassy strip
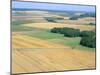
point(60, 39)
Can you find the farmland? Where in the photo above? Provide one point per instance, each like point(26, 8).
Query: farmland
point(36, 49)
point(55, 38)
point(43, 60)
point(52, 25)
point(28, 52)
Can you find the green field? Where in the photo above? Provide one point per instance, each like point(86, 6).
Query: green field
point(47, 35)
point(59, 38)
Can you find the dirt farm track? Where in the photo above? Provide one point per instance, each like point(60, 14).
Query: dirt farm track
point(35, 55)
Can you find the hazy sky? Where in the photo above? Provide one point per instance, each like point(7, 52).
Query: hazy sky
point(61, 7)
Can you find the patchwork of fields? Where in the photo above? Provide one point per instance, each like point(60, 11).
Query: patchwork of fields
point(36, 49)
point(30, 42)
point(52, 25)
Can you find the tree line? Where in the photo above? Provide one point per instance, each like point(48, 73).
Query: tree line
point(88, 38)
point(76, 17)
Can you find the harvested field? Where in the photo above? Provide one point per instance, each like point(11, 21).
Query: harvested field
point(22, 41)
point(52, 25)
point(31, 55)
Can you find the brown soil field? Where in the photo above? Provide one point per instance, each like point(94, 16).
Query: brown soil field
point(52, 25)
point(31, 55)
point(81, 21)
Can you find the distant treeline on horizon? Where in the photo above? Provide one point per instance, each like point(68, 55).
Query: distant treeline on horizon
point(25, 9)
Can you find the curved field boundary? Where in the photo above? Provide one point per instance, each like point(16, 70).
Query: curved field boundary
point(52, 25)
point(24, 41)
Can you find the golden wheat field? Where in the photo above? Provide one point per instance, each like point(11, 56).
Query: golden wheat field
point(31, 55)
point(52, 25)
point(30, 42)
